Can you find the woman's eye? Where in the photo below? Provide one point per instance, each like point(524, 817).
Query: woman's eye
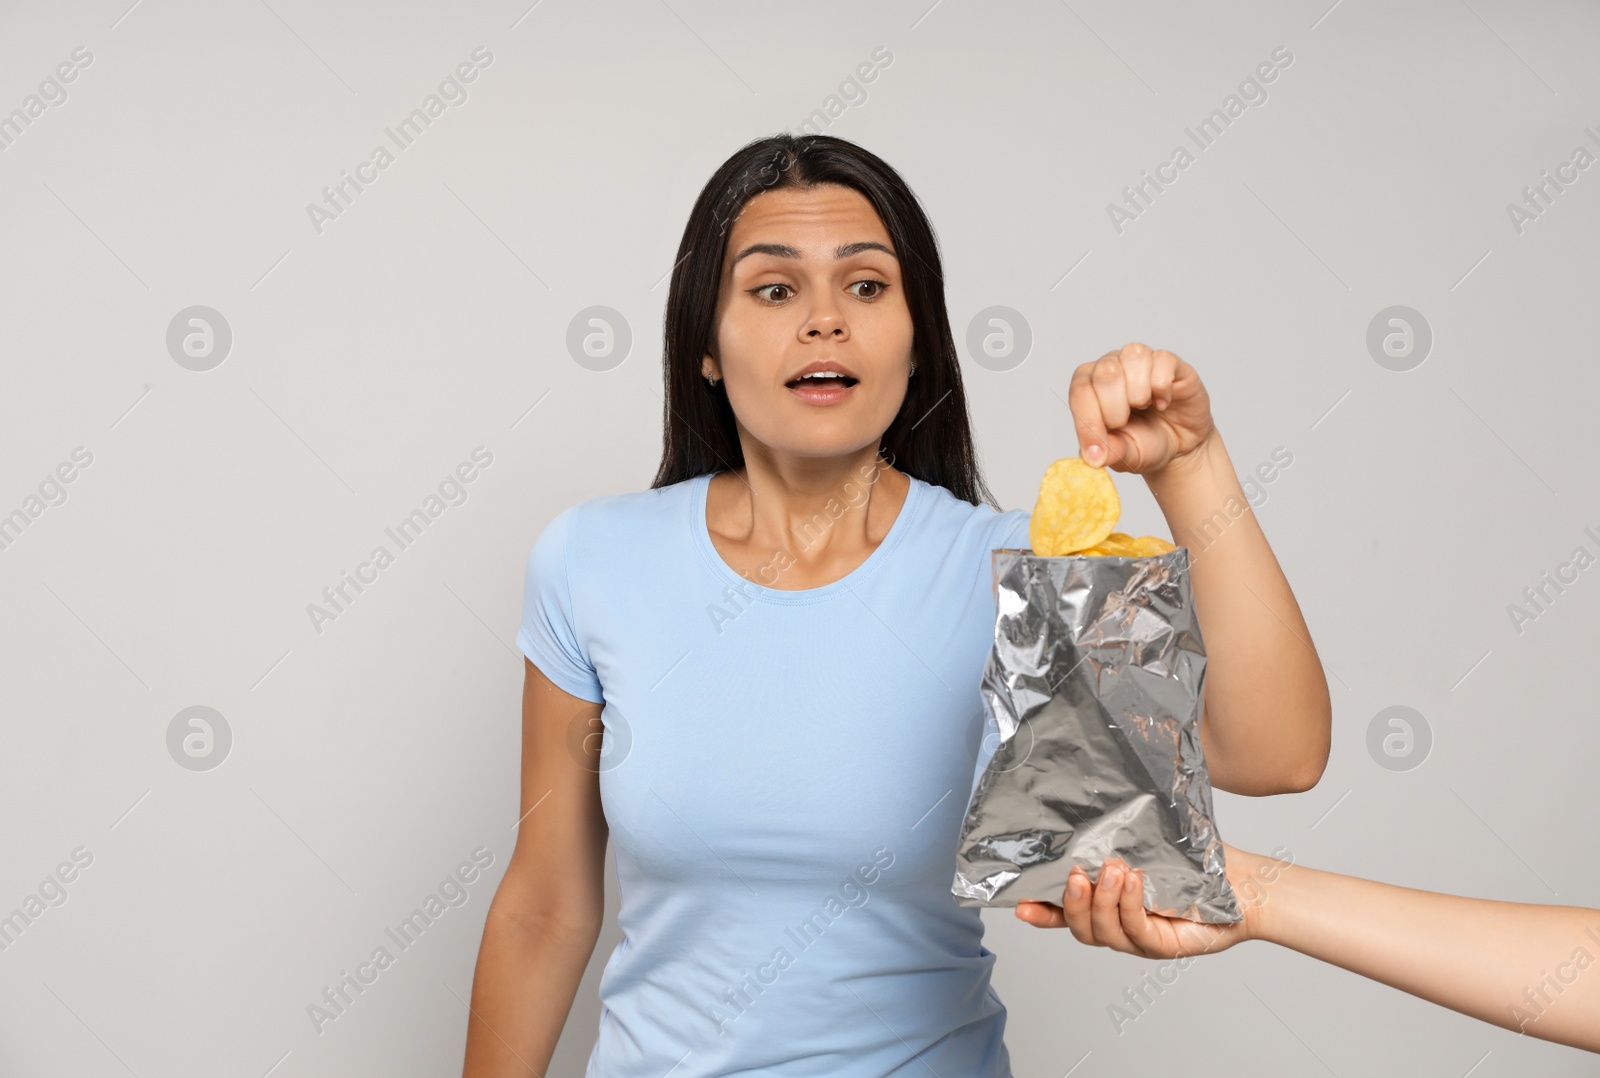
point(876, 286)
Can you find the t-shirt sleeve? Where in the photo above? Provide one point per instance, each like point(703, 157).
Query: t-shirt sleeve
point(1007, 530)
point(1013, 530)
point(548, 635)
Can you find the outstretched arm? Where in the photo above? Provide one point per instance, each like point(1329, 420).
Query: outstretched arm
point(1522, 966)
point(1267, 722)
point(1530, 968)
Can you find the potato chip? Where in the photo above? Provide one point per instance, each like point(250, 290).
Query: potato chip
point(1077, 508)
point(1107, 547)
point(1118, 545)
point(1148, 546)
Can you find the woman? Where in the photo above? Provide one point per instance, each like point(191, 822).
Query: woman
point(783, 641)
point(1520, 965)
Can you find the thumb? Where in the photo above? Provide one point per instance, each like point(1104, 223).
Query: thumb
point(1041, 914)
point(1124, 450)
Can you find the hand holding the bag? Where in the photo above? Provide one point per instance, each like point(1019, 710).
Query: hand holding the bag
point(1524, 971)
point(1112, 914)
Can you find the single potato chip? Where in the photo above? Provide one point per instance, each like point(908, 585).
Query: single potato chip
point(1148, 546)
point(1077, 508)
point(1120, 543)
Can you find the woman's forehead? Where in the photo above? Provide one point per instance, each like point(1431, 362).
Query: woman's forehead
point(814, 220)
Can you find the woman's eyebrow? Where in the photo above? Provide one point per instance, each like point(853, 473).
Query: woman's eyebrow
point(783, 250)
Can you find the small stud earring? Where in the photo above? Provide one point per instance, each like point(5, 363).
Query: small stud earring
point(913, 367)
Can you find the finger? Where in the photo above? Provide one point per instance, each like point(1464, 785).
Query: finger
point(1041, 914)
point(1075, 907)
point(1139, 925)
point(1126, 453)
point(1137, 361)
point(1086, 417)
point(1111, 397)
point(1077, 893)
point(1110, 381)
point(1185, 379)
point(1163, 369)
point(1106, 916)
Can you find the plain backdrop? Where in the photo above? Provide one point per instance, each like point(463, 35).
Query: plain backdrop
point(370, 753)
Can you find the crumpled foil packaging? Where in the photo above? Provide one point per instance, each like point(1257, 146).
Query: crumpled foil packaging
point(1094, 683)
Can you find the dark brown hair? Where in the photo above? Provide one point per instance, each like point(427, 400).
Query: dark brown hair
point(931, 437)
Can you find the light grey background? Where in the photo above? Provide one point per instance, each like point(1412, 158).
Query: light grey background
point(431, 318)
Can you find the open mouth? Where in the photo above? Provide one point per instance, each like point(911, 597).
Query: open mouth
point(824, 380)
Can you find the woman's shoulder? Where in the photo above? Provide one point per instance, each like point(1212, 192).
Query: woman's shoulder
point(625, 521)
point(957, 519)
point(633, 503)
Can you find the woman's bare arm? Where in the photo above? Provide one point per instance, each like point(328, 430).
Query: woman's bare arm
point(542, 925)
point(1268, 716)
point(1531, 968)
point(1268, 720)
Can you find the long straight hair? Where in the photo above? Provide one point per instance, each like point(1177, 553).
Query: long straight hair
point(931, 437)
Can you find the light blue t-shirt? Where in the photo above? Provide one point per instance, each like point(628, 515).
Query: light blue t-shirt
point(784, 774)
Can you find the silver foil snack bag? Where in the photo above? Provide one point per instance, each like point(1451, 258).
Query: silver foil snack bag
point(1094, 683)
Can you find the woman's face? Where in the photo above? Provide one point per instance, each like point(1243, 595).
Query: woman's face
point(811, 276)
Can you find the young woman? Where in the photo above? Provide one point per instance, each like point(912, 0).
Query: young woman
point(1524, 966)
point(782, 641)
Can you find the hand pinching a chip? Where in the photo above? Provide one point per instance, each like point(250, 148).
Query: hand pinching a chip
point(1139, 410)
